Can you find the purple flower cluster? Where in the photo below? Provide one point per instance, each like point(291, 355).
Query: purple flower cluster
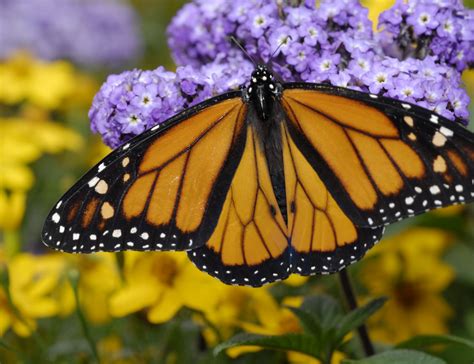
point(133, 101)
point(90, 33)
point(441, 28)
point(200, 32)
point(332, 43)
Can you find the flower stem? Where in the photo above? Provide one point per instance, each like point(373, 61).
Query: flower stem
point(74, 278)
point(352, 303)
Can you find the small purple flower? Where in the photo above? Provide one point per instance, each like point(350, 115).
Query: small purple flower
point(261, 19)
point(300, 56)
point(406, 89)
point(423, 19)
point(360, 64)
point(341, 79)
point(460, 103)
point(378, 78)
point(146, 96)
point(132, 123)
point(312, 34)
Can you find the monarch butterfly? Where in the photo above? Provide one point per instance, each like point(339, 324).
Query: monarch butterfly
point(273, 179)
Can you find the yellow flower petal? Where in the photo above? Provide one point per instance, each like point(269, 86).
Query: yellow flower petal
point(133, 298)
point(24, 327)
point(240, 350)
point(12, 209)
point(165, 308)
point(296, 280)
point(376, 7)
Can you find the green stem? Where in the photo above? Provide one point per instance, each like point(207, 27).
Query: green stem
point(74, 278)
point(352, 303)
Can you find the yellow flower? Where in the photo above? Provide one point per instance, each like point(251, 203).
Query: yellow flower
point(46, 84)
point(29, 90)
point(409, 270)
point(274, 319)
point(22, 142)
point(38, 288)
point(8, 315)
point(233, 306)
point(162, 283)
point(99, 277)
point(22, 326)
point(12, 208)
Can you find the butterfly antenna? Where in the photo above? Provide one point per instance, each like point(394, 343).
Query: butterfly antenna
point(233, 39)
point(279, 46)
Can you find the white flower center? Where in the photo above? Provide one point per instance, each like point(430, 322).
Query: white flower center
point(448, 27)
point(283, 40)
point(362, 64)
point(313, 32)
point(424, 18)
point(381, 78)
point(325, 65)
point(133, 119)
point(259, 21)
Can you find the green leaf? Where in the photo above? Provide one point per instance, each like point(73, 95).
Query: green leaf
point(398, 357)
point(325, 309)
point(302, 343)
point(425, 341)
point(357, 317)
point(309, 323)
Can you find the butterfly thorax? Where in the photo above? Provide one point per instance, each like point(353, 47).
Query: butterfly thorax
point(265, 114)
point(263, 91)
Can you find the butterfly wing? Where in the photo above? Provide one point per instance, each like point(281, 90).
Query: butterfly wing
point(381, 159)
point(250, 243)
point(150, 194)
point(323, 238)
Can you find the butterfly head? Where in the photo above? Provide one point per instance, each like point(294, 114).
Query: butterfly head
point(262, 79)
